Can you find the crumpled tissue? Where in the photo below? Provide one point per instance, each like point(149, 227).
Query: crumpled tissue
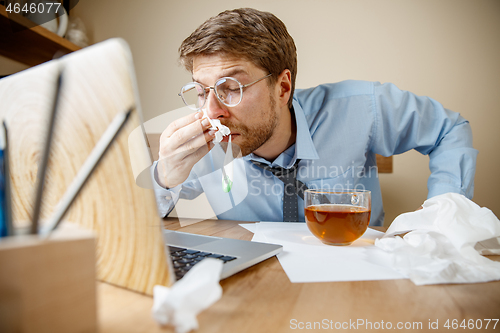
point(445, 242)
point(197, 290)
point(222, 130)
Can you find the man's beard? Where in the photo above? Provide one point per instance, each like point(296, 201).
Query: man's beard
point(254, 137)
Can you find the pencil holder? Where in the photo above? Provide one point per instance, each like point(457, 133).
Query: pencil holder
point(48, 285)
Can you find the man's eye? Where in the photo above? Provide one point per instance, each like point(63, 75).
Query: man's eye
point(232, 86)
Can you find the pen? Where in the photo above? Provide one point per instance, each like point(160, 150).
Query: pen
point(3, 176)
point(45, 158)
point(7, 202)
point(86, 170)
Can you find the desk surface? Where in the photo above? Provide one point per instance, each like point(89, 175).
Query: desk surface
point(262, 299)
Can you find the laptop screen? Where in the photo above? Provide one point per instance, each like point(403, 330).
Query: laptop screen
point(99, 82)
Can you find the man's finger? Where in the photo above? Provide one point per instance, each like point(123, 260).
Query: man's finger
point(198, 141)
point(197, 155)
point(182, 122)
point(181, 136)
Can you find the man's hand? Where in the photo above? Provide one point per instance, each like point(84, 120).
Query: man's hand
point(183, 143)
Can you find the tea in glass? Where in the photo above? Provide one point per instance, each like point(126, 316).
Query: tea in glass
point(337, 218)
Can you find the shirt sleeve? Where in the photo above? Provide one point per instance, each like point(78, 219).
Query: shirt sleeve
point(405, 121)
point(167, 198)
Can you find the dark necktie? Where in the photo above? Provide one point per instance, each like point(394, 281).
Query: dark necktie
point(291, 188)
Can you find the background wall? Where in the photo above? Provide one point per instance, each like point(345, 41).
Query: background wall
point(446, 49)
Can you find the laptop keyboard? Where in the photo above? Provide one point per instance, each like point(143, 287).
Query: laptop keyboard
point(184, 259)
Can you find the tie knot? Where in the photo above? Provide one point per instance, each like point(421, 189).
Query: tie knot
point(279, 171)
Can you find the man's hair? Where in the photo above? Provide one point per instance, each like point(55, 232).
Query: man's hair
point(259, 37)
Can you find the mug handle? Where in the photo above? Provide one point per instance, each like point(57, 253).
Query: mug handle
point(63, 22)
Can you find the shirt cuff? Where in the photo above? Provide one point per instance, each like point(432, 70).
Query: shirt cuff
point(442, 189)
point(165, 198)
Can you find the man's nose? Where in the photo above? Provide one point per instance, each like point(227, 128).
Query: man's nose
point(215, 109)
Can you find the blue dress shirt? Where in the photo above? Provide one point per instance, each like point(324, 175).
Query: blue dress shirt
point(340, 128)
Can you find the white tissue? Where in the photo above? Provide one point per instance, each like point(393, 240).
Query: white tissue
point(442, 246)
point(197, 290)
point(222, 130)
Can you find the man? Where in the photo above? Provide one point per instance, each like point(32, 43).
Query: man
point(244, 64)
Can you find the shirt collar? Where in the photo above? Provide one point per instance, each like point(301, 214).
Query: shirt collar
point(303, 148)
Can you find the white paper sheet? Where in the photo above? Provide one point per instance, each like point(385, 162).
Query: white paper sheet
point(306, 259)
point(252, 227)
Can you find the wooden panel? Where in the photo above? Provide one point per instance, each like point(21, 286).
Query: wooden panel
point(154, 144)
point(28, 43)
point(96, 86)
point(384, 164)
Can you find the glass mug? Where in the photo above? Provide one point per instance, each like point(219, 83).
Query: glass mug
point(337, 218)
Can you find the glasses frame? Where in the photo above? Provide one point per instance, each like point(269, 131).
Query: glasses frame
point(206, 91)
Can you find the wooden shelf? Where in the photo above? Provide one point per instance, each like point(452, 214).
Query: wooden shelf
point(30, 44)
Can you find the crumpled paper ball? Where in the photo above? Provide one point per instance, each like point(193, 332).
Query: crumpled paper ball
point(444, 241)
point(197, 290)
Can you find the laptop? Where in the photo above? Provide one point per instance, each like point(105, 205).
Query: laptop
point(132, 249)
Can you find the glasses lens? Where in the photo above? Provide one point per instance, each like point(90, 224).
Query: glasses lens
point(229, 91)
point(193, 95)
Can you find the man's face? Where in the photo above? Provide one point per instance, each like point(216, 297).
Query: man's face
point(252, 122)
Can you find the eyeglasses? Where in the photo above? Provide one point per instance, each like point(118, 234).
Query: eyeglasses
point(228, 90)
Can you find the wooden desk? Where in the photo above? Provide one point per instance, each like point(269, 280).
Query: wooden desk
point(262, 299)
